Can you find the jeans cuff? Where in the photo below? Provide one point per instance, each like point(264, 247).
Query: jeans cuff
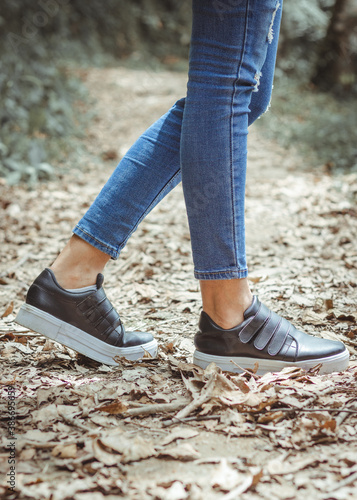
point(221, 275)
point(112, 252)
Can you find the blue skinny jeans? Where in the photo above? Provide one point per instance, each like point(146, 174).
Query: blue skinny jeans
point(202, 140)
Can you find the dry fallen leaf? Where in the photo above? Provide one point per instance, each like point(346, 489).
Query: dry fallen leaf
point(138, 449)
point(312, 318)
point(281, 466)
point(8, 310)
point(175, 490)
point(102, 454)
point(184, 452)
point(342, 316)
point(179, 434)
point(168, 347)
point(110, 154)
point(65, 451)
point(115, 408)
point(131, 450)
point(225, 478)
point(27, 454)
point(39, 436)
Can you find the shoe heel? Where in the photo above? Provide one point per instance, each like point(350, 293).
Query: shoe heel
point(38, 321)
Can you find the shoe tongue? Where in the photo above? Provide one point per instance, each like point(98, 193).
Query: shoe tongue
point(252, 309)
point(100, 281)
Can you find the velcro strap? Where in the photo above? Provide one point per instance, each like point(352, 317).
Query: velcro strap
point(268, 331)
point(97, 308)
point(94, 315)
point(279, 337)
point(90, 302)
point(96, 301)
point(255, 324)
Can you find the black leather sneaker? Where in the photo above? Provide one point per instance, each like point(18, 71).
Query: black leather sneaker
point(84, 321)
point(267, 339)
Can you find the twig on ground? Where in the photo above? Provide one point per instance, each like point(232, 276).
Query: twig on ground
point(345, 482)
point(155, 408)
point(234, 494)
point(245, 370)
point(342, 410)
point(139, 424)
point(72, 421)
point(20, 333)
point(176, 420)
point(345, 413)
point(198, 402)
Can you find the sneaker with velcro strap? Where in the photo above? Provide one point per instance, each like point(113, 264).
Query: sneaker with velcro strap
point(86, 321)
point(267, 341)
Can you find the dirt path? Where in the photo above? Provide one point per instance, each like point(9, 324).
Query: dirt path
point(249, 437)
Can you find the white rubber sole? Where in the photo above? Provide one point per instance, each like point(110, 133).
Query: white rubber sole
point(336, 363)
point(78, 340)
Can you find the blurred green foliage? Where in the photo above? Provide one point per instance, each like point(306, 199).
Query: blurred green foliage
point(317, 124)
point(303, 28)
point(40, 40)
point(36, 110)
point(321, 125)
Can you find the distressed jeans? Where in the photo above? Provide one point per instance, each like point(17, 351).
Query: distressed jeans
point(202, 140)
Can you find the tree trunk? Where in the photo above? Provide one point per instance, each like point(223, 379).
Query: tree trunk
point(337, 58)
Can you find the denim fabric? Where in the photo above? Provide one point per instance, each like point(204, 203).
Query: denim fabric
point(201, 139)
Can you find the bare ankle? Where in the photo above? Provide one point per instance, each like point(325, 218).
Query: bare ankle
point(78, 264)
point(226, 300)
point(71, 279)
point(228, 317)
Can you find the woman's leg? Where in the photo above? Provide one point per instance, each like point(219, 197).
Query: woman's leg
point(148, 171)
point(228, 59)
point(67, 303)
point(229, 50)
point(226, 300)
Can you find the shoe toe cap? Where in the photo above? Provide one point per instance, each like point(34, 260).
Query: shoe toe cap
point(310, 347)
point(132, 339)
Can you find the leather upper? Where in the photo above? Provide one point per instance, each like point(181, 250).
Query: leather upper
point(262, 334)
point(90, 311)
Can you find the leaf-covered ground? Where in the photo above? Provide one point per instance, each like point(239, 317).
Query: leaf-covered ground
point(164, 429)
